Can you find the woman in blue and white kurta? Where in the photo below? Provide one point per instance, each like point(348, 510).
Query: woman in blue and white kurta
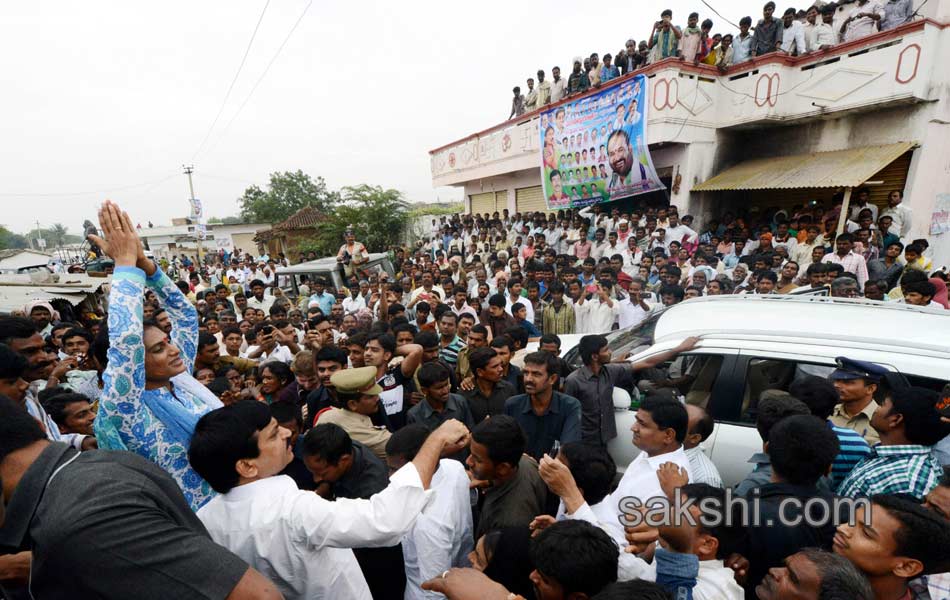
point(155, 423)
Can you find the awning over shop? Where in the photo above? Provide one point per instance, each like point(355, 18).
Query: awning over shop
point(837, 169)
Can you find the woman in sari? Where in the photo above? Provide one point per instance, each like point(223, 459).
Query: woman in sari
point(149, 403)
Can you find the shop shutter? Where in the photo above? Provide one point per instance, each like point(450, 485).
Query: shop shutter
point(501, 201)
point(530, 199)
point(483, 203)
point(893, 176)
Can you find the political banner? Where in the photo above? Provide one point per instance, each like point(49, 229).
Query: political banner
point(594, 149)
point(196, 209)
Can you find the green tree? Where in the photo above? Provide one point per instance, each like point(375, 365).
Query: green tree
point(225, 221)
point(377, 216)
point(286, 194)
point(56, 235)
point(10, 240)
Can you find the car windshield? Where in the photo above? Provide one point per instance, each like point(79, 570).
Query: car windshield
point(621, 341)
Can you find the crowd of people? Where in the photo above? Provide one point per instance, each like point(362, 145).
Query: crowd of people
point(796, 32)
point(214, 436)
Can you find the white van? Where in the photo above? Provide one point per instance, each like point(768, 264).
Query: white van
point(754, 343)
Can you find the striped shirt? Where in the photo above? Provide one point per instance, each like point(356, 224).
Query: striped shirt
point(558, 322)
point(899, 469)
point(702, 470)
point(853, 449)
point(450, 353)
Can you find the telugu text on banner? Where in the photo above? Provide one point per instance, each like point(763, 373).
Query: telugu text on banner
point(594, 149)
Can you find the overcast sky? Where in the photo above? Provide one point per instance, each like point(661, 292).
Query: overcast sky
point(104, 95)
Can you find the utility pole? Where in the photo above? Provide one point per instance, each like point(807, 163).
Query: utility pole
point(189, 169)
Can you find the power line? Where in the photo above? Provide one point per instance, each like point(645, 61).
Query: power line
point(86, 193)
point(224, 102)
point(264, 74)
point(709, 6)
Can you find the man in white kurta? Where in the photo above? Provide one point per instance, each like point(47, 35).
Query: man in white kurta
point(297, 539)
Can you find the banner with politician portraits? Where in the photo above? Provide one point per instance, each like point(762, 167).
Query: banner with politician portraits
point(594, 149)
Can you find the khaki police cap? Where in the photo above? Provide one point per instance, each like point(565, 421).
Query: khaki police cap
point(353, 381)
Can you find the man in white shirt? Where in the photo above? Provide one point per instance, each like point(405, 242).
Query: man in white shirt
point(700, 427)
point(236, 274)
point(257, 299)
point(899, 213)
point(819, 34)
point(659, 430)
point(353, 302)
point(298, 540)
point(442, 536)
point(793, 34)
point(680, 231)
point(514, 296)
point(272, 344)
point(863, 20)
point(859, 203)
point(599, 245)
point(634, 308)
point(600, 312)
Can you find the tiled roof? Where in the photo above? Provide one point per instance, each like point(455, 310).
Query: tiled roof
point(305, 218)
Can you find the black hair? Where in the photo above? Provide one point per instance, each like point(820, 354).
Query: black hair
point(284, 412)
point(426, 339)
point(818, 393)
point(224, 436)
point(18, 429)
point(256, 283)
point(745, 21)
point(802, 448)
point(548, 360)
point(705, 426)
point(497, 300)
point(726, 530)
point(773, 409)
point(767, 274)
point(503, 341)
point(407, 442)
point(331, 354)
point(918, 406)
point(923, 535)
point(385, 340)
point(15, 328)
point(279, 369)
point(924, 288)
point(667, 413)
point(518, 335)
point(78, 332)
point(12, 364)
point(592, 468)
point(480, 357)
point(328, 442)
point(503, 437)
point(636, 589)
point(220, 384)
point(56, 405)
point(550, 338)
point(580, 557)
point(206, 339)
point(431, 373)
point(589, 346)
point(231, 330)
point(672, 290)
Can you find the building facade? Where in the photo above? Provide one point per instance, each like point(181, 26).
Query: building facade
point(777, 131)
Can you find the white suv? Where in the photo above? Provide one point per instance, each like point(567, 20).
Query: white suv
point(754, 343)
